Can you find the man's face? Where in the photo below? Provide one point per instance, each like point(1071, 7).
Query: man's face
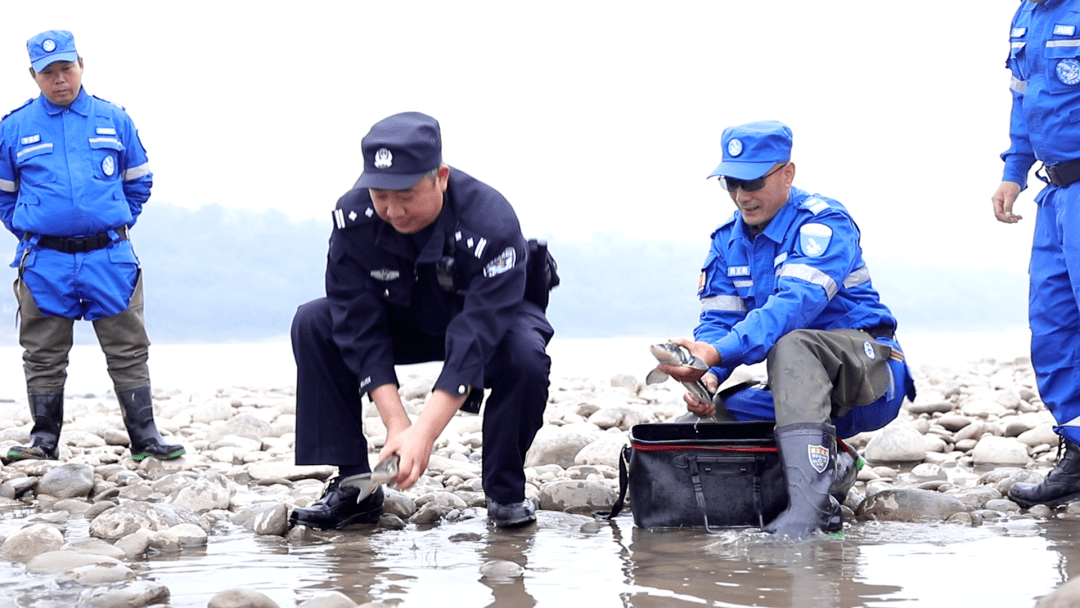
point(60, 81)
point(759, 207)
point(410, 211)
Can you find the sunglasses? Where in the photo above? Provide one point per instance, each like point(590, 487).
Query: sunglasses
point(748, 185)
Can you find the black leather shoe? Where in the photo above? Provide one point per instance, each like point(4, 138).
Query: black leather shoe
point(338, 508)
point(512, 514)
point(1061, 486)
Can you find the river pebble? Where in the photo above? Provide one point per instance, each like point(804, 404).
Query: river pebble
point(950, 456)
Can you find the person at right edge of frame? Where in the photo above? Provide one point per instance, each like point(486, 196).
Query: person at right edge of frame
point(1044, 59)
point(426, 263)
point(785, 282)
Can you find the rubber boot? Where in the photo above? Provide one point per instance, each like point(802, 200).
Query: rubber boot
point(137, 408)
point(1061, 486)
point(808, 452)
point(47, 410)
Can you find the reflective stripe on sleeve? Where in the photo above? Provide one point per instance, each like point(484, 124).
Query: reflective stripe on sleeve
point(810, 275)
point(857, 277)
point(8, 186)
point(1051, 44)
point(136, 172)
point(1020, 86)
point(723, 303)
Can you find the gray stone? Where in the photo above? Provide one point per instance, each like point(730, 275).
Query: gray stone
point(29, 542)
point(328, 599)
point(557, 446)
point(67, 481)
point(908, 504)
point(604, 451)
point(576, 496)
point(129, 517)
point(896, 443)
point(133, 594)
point(241, 598)
point(999, 451)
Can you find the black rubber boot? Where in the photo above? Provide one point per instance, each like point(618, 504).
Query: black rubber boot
point(808, 452)
point(338, 508)
point(1061, 486)
point(47, 410)
point(137, 409)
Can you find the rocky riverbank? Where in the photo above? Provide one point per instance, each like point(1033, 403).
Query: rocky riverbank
point(951, 456)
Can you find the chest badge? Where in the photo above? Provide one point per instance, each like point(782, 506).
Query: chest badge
point(108, 166)
point(385, 274)
point(1068, 71)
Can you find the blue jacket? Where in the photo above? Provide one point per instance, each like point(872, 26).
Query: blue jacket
point(74, 172)
point(804, 271)
point(1044, 58)
point(463, 280)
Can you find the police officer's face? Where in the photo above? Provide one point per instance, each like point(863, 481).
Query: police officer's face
point(410, 211)
point(759, 207)
point(60, 81)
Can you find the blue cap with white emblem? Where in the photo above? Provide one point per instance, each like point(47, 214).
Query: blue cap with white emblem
point(50, 47)
point(399, 150)
point(752, 149)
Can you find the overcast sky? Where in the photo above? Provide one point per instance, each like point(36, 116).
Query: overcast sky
point(588, 116)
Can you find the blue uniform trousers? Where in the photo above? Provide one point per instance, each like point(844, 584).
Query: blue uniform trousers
point(329, 426)
point(1053, 312)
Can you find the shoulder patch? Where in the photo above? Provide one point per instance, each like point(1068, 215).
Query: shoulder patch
point(814, 239)
point(25, 103)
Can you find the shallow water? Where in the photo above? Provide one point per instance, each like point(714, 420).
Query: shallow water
point(570, 560)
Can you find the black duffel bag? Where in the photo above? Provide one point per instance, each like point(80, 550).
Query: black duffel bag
point(715, 475)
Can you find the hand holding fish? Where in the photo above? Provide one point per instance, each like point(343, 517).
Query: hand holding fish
point(689, 362)
point(702, 357)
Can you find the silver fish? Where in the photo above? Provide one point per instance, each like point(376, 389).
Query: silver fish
point(673, 354)
point(385, 471)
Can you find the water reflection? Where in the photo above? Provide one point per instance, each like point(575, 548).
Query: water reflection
point(570, 560)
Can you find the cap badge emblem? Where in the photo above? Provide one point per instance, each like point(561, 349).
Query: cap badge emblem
point(734, 147)
point(383, 159)
point(1068, 71)
point(49, 45)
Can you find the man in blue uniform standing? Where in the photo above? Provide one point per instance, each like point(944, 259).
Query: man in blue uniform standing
point(426, 263)
point(73, 180)
point(1045, 64)
point(785, 282)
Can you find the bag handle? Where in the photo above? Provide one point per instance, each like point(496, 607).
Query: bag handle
point(624, 482)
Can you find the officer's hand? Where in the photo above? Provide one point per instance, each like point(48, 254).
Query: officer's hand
point(414, 451)
point(703, 409)
point(712, 383)
point(1003, 202)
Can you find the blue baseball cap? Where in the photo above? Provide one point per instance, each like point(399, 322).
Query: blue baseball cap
point(752, 149)
point(50, 47)
point(399, 150)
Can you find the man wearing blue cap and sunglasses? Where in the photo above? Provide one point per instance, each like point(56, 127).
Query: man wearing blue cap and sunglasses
point(785, 282)
point(426, 263)
point(73, 180)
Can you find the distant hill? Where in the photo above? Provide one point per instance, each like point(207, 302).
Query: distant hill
point(219, 274)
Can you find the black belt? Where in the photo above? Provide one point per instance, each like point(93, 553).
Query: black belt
point(880, 331)
point(1063, 174)
point(77, 245)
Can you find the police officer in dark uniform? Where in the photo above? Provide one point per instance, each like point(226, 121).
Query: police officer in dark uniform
point(425, 263)
point(73, 180)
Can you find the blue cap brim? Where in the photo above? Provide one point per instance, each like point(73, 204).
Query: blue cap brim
point(45, 62)
point(743, 171)
point(388, 181)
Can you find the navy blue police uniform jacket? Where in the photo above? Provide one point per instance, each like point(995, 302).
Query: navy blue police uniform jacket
point(466, 283)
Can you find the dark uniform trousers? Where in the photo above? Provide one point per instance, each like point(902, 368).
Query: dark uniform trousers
point(329, 427)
